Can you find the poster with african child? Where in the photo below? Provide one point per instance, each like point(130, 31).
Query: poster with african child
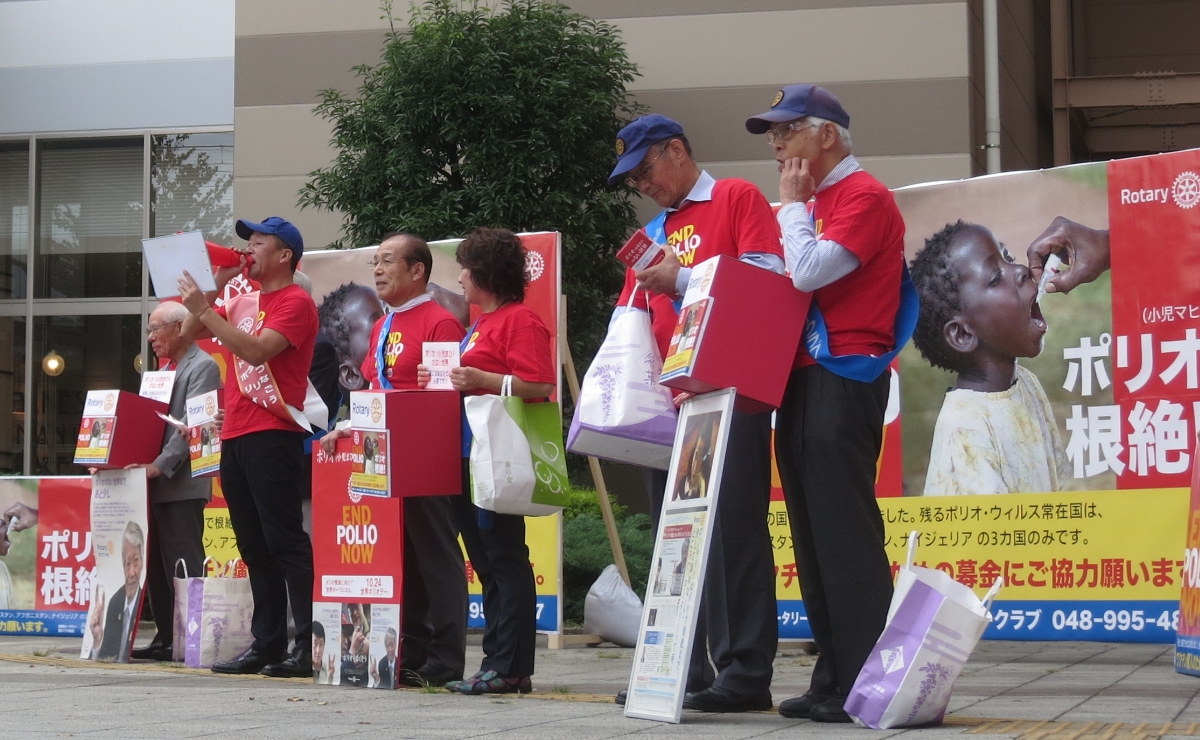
point(1049, 425)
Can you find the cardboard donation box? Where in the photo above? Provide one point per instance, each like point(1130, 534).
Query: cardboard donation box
point(739, 327)
point(406, 443)
point(119, 429)
point(204, 444)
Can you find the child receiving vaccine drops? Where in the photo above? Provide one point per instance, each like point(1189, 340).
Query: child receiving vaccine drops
point(979, 312)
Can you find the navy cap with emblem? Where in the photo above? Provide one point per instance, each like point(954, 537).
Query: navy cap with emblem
point(798, 101)
point(275, 226)
point(635, 140)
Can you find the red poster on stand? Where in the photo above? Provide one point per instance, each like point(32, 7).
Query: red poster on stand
point(1153, 226)
point(358, 566)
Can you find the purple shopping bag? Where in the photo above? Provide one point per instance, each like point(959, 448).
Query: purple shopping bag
point(933, 626)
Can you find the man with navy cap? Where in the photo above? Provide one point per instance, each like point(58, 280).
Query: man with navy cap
point(271, 333)
point(705, 218)
point(849, 253)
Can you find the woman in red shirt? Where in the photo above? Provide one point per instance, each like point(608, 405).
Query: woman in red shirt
point(507, 339)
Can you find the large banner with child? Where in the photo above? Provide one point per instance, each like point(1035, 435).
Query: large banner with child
point(1077, 397)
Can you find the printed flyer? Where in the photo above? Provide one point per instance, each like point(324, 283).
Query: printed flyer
point(119, 524)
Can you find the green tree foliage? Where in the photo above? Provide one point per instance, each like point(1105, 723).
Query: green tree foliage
point(480, 117)
point(586, 551)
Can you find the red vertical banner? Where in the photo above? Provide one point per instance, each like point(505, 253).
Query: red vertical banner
point(358, 544)
point(66, 563)
point(1154, 225)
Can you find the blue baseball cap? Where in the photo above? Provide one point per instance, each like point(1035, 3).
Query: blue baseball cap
point(635, 140)
point(797, 101)
point(275, 226)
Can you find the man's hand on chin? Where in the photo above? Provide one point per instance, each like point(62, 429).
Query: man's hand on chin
point(661, 277)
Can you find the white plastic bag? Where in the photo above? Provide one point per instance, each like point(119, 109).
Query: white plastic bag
point(933, 625)
point(612, 609)
point(623, 414)
point(502, 475)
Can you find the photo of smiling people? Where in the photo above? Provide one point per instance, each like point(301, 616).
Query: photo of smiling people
point(696, 457)
point(995, 432)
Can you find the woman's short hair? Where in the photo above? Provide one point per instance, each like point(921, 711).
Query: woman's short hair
point(496, 259)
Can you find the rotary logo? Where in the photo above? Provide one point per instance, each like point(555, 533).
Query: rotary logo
point(376, 410)
point(1186, 190)
point(778, 99)
point(246, 325)
point(355, 496)
point(210, 406)
point(109, 401)
point(535, 265)
point(620, 147)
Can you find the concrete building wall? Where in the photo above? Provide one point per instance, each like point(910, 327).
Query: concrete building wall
point(78, 65)
point(902, 69)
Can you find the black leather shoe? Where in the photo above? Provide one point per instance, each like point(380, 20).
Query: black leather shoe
point(717, 699)
point(830, 710)
point(437, 675)
point(621, 696)
point(297, 665)
point(252, 661)
point(150, 652)
point(798, 707)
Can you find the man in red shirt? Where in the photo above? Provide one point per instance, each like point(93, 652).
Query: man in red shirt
point(849, 253)
point(271, 333)
point(705, 218)
point(434, 630)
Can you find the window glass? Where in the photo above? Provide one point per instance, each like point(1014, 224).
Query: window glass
point(90, 220)
point(14, 219)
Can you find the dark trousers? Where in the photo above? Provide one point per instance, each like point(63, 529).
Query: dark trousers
point(739, 589)
point(434, 632)
point(260, 476)
point(700, 673)
point(827, 440)
point(500, 557)
point(176, 533)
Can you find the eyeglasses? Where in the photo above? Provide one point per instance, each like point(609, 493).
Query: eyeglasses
point(642, 171)
point(387, 261)
point(784, 131)
point(153, 329)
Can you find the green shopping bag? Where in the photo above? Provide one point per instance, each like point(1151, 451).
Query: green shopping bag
point(543, 429)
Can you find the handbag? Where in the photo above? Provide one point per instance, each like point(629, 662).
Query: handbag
point(933, 625)
point(212, 616)
point(623, 414)
point(517, 462)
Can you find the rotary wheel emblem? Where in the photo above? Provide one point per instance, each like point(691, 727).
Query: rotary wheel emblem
point(535, 265)
point(1186, 190)
point(620, 147)
point(778, 99)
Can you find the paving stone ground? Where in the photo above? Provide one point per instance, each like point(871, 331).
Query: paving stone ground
point(1025, 690)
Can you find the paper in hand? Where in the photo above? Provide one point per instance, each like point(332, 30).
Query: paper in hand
point(173, 421)
point(168, 256)
point(440, 358)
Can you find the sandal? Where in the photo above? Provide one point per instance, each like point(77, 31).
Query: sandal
point(494, 683)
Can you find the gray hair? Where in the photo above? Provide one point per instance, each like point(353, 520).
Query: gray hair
point(304, 281)
point(133, 534)
point(843, 132)
point(172, 311)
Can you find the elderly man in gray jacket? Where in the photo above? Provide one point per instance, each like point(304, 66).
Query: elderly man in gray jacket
point(177, 500)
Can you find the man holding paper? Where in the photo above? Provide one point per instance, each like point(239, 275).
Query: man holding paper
point(434, 629)
point(177, 500)
point(271, 333)
point(704, 218)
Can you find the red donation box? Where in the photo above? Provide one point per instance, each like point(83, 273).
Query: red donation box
point(406, 443)
point(739, 327)
point(119, 429)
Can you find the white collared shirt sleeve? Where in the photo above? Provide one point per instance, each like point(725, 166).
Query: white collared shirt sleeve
point(812, 263)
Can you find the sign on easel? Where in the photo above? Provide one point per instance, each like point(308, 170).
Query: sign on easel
point(668, 627)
